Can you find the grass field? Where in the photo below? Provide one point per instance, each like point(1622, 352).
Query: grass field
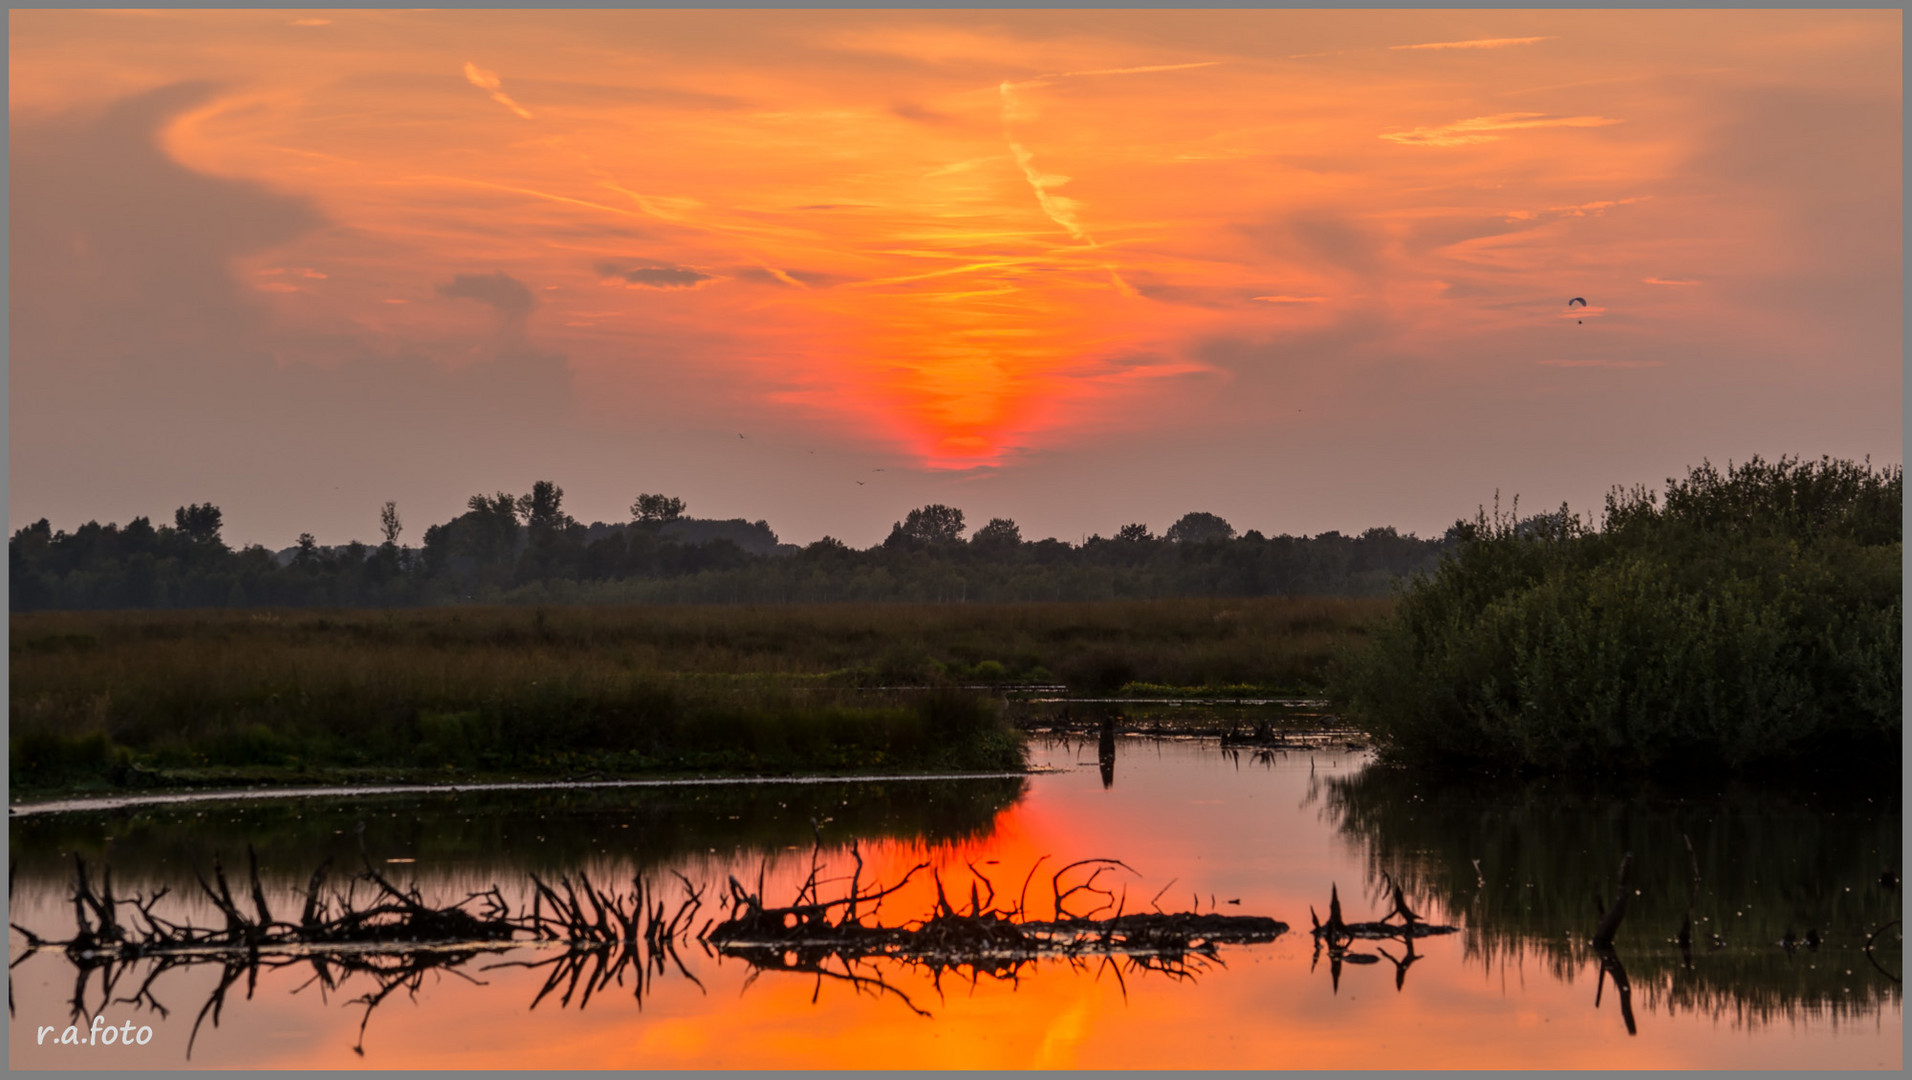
point(126, 698)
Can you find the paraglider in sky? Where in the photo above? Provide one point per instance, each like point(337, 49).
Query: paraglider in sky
point(1582, 301)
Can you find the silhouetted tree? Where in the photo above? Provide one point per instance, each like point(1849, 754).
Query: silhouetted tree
point(506, 548)
point(554, 540)
point(1197, 527)
point(481, 543)
point(657, 508)
point(1001, 534)
point(930, 525)
point(306, 558)
point(199, 523)
point(543, 511)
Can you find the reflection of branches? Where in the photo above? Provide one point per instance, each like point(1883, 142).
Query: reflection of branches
point(809, 937)
point(860, 972)
point(1872, 937)
point(1337, 935)
point(388, 942)
point(393, 939)
point(1401, 965)
point(1610, 965)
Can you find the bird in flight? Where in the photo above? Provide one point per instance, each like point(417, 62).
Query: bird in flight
point(859, 483)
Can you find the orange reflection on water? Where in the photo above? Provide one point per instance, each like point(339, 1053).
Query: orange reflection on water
point(1175, 813)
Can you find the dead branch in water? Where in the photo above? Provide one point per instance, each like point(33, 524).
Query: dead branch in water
point(985, 929)
point(1338, 932)
point(1338, 935)
point(395, 937)
point(810, 937)
point(391, 940)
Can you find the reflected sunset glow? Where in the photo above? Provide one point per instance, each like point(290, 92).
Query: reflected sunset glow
point(1199, 830)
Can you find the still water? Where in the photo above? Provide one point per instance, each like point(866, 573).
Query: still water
point(1521, 869)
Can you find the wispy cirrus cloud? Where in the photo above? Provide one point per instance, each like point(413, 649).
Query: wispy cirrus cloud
point(1480, 129)
point(1060, 208)
point(1144, 70)
point(1597, 207)
point(1476, 43)
point(489, 81)
point(765, 274)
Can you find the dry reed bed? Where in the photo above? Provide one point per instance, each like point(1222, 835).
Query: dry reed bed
point(748, 688)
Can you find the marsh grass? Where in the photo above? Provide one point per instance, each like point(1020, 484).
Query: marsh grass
point(120, 697)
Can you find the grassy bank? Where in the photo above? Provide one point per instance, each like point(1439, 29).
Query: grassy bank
point(1748, 619)
point(156, 697)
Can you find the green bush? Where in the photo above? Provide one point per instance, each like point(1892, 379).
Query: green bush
point(1752, 617)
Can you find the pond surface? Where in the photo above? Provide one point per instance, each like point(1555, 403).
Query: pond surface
point(1520, 869)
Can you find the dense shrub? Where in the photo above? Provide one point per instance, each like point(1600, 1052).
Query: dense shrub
point(1749, 616)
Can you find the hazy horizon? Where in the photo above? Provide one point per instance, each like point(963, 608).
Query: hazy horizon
point(1304, 270)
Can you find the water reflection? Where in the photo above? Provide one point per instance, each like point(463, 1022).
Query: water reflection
point(482, 833)
point(1726, 881)
point(1105, 751)
point(396, 936)
point(1749, 902)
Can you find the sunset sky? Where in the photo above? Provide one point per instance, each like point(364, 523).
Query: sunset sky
point(1306, 270)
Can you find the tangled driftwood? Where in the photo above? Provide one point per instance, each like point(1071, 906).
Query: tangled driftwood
point(812, 933)
point(1337, 935)
point(393, 937)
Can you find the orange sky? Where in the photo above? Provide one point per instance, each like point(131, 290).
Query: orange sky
point(1304, 269)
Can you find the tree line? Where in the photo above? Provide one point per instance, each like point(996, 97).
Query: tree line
point(527, 549)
